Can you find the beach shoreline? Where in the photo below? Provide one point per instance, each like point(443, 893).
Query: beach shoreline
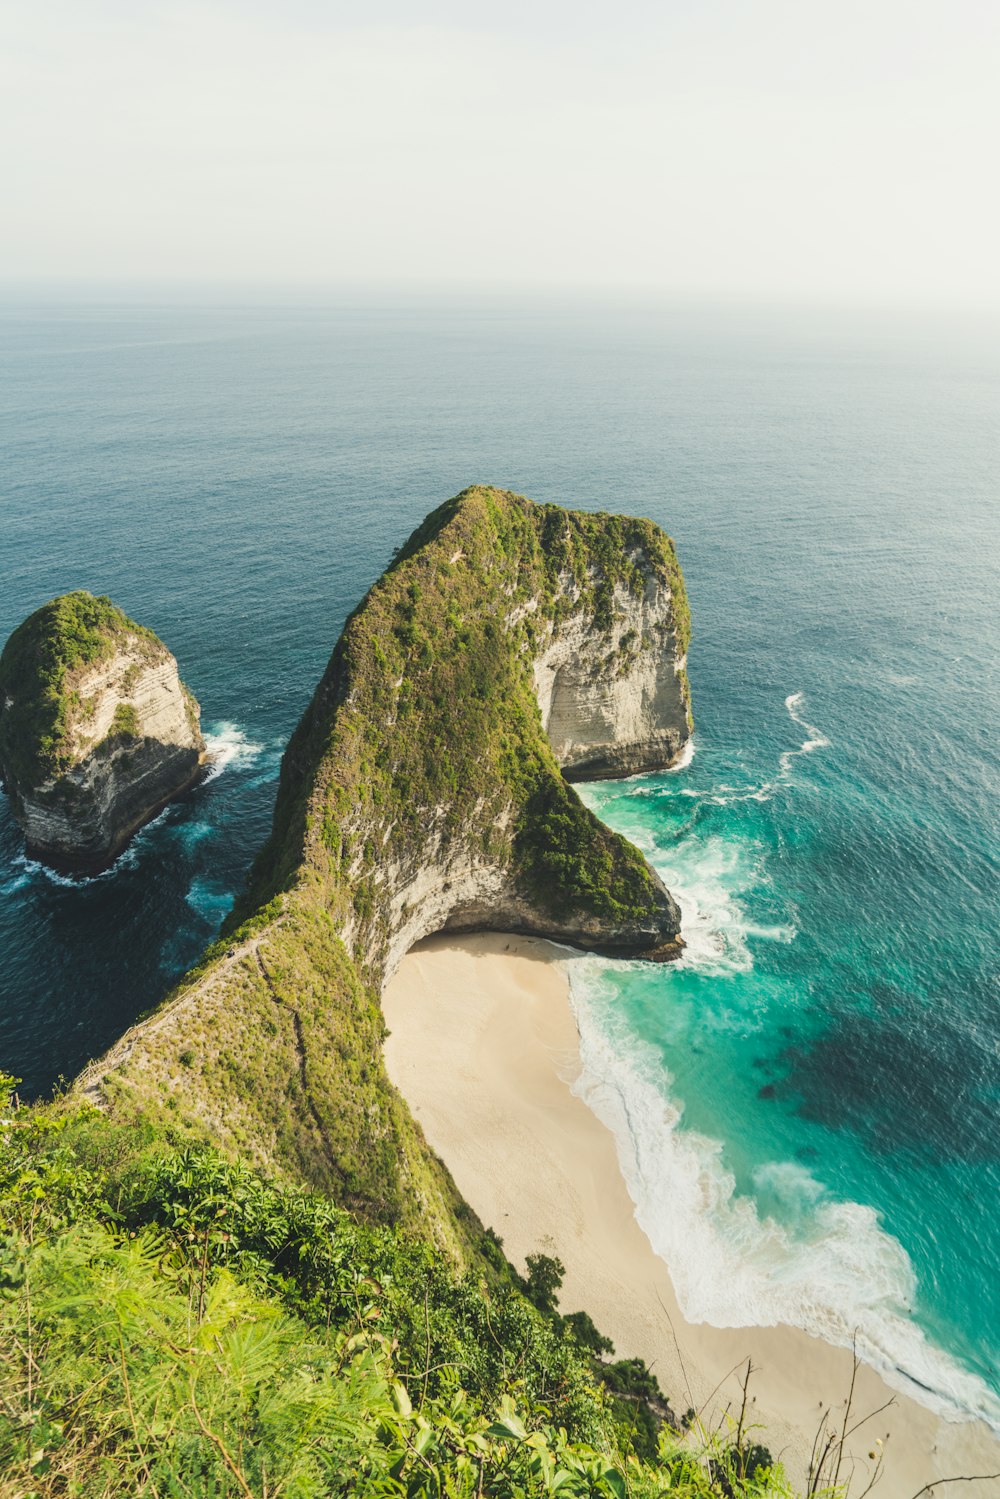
point(491, 1014)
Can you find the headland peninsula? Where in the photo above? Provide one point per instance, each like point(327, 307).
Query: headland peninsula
point(246, 1258)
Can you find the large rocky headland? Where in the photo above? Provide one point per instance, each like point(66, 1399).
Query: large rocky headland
point(97, 731)
point(507, 647)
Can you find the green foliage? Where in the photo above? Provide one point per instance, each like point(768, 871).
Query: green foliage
point(38, 668)
point(448, 1329)
point(173, 1324)
point(629, 1376)
point(581, 1325)
point(426, 721)
point(125, 723)
point(543, 1281)
point(176, 1323)
point(572, 862)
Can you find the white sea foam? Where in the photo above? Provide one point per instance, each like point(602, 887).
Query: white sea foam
point(790, 1253)
point(128, 859)
point(682, 762)
point(33, 869)
point(815, 739)
point(724, 795)
point(705, 876)
point(684, 758)
point(154, 822)
point(229, 745)
point(827, 1267)
point(209, 899)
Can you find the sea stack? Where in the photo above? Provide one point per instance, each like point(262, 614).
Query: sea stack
point(97, 731)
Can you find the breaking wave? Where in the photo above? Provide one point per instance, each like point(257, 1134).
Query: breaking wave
point(228, 745)
point(33, 869)
point(684, 758)
point(815, 738)
point(816, 1263)
point(785, 1250)
point(723, 795)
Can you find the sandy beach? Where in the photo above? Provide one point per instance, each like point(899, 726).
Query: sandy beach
point(483, 1045)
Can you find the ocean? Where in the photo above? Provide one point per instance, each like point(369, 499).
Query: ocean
point(807, 1105)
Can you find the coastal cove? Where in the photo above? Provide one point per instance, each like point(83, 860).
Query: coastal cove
point(492, 1013)
point(822, 1058)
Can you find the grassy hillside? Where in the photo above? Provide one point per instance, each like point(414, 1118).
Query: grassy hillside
point(244, 1273)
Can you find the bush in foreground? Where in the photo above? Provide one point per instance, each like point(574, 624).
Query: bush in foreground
point(171, 1324)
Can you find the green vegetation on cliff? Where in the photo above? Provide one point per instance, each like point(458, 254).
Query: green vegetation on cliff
point(427, 714)
point(423, 748)
point(125, 723)
point(38, 668)
point(172, 1324)
point(246, 1274)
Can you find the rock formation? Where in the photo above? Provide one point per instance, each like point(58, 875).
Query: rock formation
point(432, 794)
point(420, 793)
point(613, 698)
point(97, 731)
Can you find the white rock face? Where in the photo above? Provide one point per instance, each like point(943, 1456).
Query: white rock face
point(120, 777)
point(615, 702)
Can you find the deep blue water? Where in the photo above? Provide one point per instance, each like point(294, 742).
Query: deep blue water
point(814, 1092)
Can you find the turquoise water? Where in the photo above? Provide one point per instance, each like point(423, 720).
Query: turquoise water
point(808, 1105)
point(806, 1119)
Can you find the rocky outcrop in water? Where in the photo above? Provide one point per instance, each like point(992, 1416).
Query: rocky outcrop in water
point(97, 731)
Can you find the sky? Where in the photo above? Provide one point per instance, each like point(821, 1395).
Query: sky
point(820, 150)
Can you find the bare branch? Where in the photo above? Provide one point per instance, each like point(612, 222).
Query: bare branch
point(847, 1407)
point(928, 1488)
point(677, 1347)
point(871, 1415)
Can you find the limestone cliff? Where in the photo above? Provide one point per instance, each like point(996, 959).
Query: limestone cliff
point(421, 785)
point(421, 792)
point(97, 731)
point(613, 697)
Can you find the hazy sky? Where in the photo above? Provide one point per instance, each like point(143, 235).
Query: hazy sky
point(833, 149)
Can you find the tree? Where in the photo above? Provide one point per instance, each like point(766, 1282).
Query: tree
point(544, 1279)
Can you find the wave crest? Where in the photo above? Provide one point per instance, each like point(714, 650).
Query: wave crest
point(228, 745)
point(793, 1254)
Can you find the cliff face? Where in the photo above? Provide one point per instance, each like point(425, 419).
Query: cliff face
point(422, 788)
point(614, 700)
point(421, 792)
point(97, 732)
